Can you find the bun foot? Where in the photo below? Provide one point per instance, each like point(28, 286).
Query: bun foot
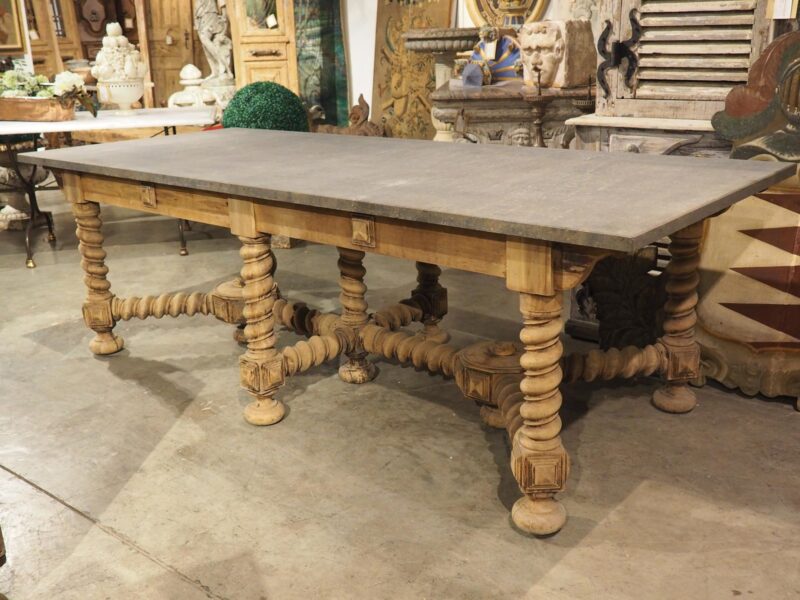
point(539, 516)
point(266, 411)
point(104, 344)
point(675, 398)
point(357, 371)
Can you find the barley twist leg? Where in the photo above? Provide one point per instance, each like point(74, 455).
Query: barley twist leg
point(261, 366)
point(430, 294)
point(355, 368)
point(97, 307)
point(683, 352)
point(538, 459)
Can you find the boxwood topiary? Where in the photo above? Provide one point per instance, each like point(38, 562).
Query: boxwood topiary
point(266, 105)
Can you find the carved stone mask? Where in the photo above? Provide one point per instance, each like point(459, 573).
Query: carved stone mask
point(521, 137)
point(542, 47)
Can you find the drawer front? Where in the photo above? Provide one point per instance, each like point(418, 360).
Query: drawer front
point(264, 51)
point(263, 70)
point(680, 143)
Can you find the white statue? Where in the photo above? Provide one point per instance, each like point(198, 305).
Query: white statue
point(557, 54)
point(119, 70)
point(118, 60)
point(192, 94)
point(211, 23)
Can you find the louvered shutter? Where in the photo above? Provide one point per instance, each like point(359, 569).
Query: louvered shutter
point(691, 53)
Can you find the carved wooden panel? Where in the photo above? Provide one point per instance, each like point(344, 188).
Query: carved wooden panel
point(171, 45)
point(403, 80)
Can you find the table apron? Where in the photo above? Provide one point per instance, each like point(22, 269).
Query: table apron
point(498, 255)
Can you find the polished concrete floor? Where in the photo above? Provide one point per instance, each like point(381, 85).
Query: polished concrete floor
point(135, 476)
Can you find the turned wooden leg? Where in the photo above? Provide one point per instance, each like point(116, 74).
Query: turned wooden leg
point(683, 352)
point(538, 459)
point(430, 294)
point(97, 307)
point(261, 366)
point(355, 368)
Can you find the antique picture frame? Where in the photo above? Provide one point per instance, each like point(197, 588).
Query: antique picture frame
point(10, 26)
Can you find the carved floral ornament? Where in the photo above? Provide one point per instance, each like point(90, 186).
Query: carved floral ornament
point(497, 13)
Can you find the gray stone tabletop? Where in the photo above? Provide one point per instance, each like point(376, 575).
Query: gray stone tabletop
point(603, 200)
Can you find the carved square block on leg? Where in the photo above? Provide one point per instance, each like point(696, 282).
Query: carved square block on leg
point(544, 472)
point(97, 315)
point(260, 378)
point(683, 363)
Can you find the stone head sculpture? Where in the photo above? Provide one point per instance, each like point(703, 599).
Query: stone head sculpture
point(521, 136)
point(542, 49)
point(557, 53)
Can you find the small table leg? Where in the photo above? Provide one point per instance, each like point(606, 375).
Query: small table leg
point(97, 308)
point(356, 368)
point(538, 459)
point(683, 352)
point(261, 366)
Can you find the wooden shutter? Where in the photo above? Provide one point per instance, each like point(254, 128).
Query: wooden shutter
point(691, 53)
point(694, 50)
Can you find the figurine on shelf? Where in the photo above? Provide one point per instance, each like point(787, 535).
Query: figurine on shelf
point(359, 121)
point(498, 52)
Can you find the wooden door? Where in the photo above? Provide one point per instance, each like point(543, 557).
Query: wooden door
point(62, 15)
point(43, 40)
point(263, 42)
point(171, 44)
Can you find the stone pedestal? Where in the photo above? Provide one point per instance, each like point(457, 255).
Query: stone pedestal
point(444, 44)
point(506, 113)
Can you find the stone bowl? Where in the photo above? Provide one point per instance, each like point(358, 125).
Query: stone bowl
point(122, 93)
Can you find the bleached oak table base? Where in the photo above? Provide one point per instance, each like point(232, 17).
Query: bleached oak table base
point(516, 385)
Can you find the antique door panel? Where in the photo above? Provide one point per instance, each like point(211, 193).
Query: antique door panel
point(691, 53)
point(43, 39)
point(263, 42)
point(62, 14)
point(171, 44)
point(264, 71)
point(93, 16)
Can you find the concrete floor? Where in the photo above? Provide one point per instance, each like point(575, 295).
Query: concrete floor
point(136, 477)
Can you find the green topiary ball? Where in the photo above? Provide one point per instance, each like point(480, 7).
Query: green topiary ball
point(266, 105)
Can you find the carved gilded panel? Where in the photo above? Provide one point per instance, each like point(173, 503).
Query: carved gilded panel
point(404, 80)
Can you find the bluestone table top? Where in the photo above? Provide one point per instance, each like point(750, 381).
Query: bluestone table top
point(602, 200)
